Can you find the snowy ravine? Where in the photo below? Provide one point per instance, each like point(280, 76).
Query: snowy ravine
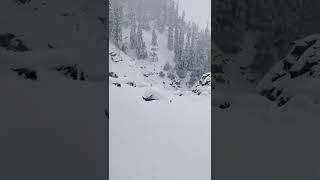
point(167, 138)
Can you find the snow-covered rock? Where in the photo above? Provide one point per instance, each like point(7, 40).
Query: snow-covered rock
point(297, 73)
point(203, 85)
point(153, 94)
point(178, 92)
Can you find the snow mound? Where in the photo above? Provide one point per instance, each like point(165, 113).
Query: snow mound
point(203, 86)
point(178, 93)
point(153, 94)
point(297, 73)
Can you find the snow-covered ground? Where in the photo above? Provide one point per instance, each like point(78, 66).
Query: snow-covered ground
point(255, 139)
point(167, 138)
point(158, 139)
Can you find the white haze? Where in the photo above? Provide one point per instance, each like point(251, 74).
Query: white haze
point(198, 11)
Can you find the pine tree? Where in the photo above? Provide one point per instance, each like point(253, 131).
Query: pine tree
point(162, 18)
point(154, 39)
point(191, 54)
point(141, 49)
point(185, 52)
point(132, 17)
point(117, 31)
point(133, 36)
point(170, 38)
point(180, 56)
point(139, 41)
point(176, 41)
point(207, 30)
point(178, 46)
point(201, 54)
point(111, 20)
point(139, 12)
point(144, 53)
point(181, 47)
point(176, 16)
point(182, 23)
point(171, 14)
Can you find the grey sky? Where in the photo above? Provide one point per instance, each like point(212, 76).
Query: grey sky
point(198, 11)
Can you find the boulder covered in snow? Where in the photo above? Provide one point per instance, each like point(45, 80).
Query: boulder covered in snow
point(113, 75)
point(152, 94)
point(203, 85)
point(297, 73)
point(115, 57)
point(178, 93)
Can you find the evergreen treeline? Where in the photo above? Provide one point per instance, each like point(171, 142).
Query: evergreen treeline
point(191, 46)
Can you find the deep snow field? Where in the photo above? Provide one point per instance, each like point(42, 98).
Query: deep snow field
point(254, 139)
point(158, 139)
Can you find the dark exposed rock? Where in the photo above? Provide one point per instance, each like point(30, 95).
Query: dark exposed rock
point(51, 46)
point(23, 1)
point(150, 98)
point(306, 68)
point(103, 20)
point(283, 101)
point(278, 76)
point(117, 84)
point(10, 42)
point(286, 65)
point(299, 50)
point(112, 74)
point(5, 39)
point(26, 73)
point(72, 72)
point(18, 46)
point(106, 113)
point(224, 105)
point(269, 93)
point(131, 84)
point(162, 74)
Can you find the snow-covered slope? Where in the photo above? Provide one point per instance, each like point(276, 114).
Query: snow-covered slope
point(203, 86)
point(57, 32)
point(297, 73)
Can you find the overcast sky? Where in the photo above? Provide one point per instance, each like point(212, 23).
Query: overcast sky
point(198, 11)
